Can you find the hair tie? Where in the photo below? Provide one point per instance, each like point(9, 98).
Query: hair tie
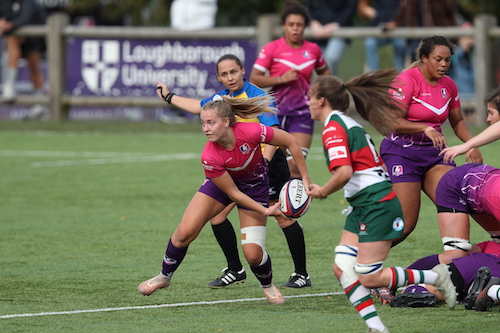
point(343, 86)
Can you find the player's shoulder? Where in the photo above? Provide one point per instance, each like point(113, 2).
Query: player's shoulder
point(252, 90)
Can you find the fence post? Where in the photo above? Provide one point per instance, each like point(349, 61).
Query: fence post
point(265, 27)
point(56, 58)
point(483, 78)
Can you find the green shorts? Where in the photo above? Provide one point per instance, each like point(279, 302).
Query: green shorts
point(376, 222)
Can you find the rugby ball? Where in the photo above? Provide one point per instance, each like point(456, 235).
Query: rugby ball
point(294, 200)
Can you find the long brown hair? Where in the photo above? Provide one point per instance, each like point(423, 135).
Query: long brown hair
point(370, 93)
point(226, 107)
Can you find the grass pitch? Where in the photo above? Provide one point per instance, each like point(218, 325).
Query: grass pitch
point(86, 210)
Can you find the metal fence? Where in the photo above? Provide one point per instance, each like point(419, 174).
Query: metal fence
point(57, 30)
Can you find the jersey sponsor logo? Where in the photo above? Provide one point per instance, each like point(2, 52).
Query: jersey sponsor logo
point(398, 224)
point(263, 133)
point(245, 148)
point(206, 166)
point(337, 152)
point(444, 94)
point(329, 129)
point(330, 141)
point(397, 170)
point(398, 94)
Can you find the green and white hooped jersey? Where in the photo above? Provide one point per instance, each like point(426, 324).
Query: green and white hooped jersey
point(346, 142)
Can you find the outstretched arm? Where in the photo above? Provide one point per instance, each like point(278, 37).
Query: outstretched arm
point(190, 105)
point(490, 134)
point(460, 128)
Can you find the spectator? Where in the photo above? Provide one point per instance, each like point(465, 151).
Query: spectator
point(424, 13)
point(381, 13)
point(326, 17)
point(193, 14)
point(13, 15)
point(189, 15)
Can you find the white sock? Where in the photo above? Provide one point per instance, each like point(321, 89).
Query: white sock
point(11, 75)
point(494, 292)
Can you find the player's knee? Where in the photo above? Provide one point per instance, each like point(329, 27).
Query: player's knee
point(453, 243)
point(369, 274)
point(255, 236)
point(345, 260)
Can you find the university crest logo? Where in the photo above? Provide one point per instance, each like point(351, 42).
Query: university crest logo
point(100, 65)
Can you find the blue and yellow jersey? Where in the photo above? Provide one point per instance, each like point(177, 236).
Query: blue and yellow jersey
point(247, 91)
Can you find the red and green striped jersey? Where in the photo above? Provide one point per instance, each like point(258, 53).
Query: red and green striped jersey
point(346, 143)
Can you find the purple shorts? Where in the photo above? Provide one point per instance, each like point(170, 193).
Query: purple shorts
point(409, 164)
point(468, 266)
point(297, 123)
point(259, 191)
point(449, 192)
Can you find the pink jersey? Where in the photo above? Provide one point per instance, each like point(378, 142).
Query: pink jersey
point(278, 57)
point(244, 162)
point(424, 102)
point(490, 247)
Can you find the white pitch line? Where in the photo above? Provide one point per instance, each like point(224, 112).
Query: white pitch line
point(44, 153)
point(118, 160)
point(157, 306)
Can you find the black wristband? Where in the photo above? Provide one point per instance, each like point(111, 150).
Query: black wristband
point(168, 98)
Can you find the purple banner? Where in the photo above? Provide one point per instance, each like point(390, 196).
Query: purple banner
point(122, 67)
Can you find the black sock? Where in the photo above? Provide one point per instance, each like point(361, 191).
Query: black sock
point(225, 235)
point(297, 245)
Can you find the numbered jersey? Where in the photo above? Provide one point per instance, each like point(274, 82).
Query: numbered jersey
point(346, 143)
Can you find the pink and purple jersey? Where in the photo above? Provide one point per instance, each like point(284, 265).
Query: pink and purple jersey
point(424, 103)
point(278, 57)
point(466, 188)
point(244, 162)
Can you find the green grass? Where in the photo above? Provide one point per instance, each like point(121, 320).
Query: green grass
point(82, 236)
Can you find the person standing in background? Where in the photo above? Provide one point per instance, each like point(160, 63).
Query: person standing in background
point(193, 14)
point(15, 14)
point(381, 13)
point(326, 17)
point(424, 13)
